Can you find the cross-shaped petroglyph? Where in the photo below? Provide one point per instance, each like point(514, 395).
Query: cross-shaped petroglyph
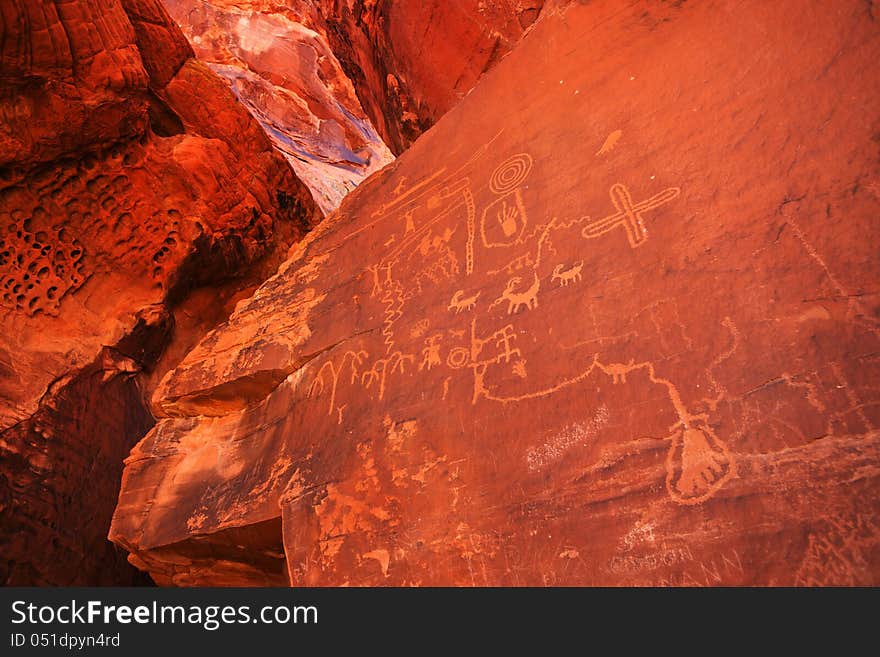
point(629, 214)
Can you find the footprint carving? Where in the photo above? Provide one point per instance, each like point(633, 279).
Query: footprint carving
point(698, 464)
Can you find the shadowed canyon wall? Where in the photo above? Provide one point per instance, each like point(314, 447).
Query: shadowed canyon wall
point(612, 320)
point(411, 61)
point(129, 177)
point(305, 69)
point(287, 76)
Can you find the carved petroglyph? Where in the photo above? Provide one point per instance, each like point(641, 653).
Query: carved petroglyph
point(459, 302)
point(353, 359)
point(720, 358)
point(504, 220)
point(419, 328)
point(566, 276)
point(381, 274)
point(527, 299)
point(392, 299)
point(431, 352)
point(856, 405)
point(698, 462)
point(724, 568)
point(856, 305)
point(525, 261)
point(382, 368)
point(629, 214)
point(446, 386)
point(508, 175)
point(642, 533)
point(610, 142)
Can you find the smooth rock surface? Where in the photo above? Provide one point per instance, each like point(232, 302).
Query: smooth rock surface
point(613, 320)
point(411, 61)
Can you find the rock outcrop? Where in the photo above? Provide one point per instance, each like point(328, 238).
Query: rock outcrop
point(613, 320)
point(129, 176)
point(289, 79)
point(411, 61)
point(305, 69)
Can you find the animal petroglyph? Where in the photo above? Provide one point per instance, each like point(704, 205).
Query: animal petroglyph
point(610, 142)
point(516, 300)
point(629, 214)
point(566, 276)
point(698, 462)
point(459, 302)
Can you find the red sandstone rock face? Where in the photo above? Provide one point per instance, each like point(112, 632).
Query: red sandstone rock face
point(286, 75)
point(130, 175)
point(412, 61)
point(612, 321)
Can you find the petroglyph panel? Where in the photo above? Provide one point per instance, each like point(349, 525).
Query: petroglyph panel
point(596, 345)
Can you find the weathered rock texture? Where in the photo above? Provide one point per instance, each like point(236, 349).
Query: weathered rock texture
point(129, 175)
point(613, 320)
point(287, 76)
point(411, 61)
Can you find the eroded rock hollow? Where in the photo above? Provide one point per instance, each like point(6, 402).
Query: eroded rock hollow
point(610, 318)
point(129, 177)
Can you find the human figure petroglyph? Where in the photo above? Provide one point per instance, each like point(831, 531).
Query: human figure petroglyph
point(629, 214)
point(698, 462)
point(459, 302)
point(502, 339)
point(379, 280)
point(516, 300)
point(566, 276)
point(431, 352)
point(380, 370)
point(354, 359)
